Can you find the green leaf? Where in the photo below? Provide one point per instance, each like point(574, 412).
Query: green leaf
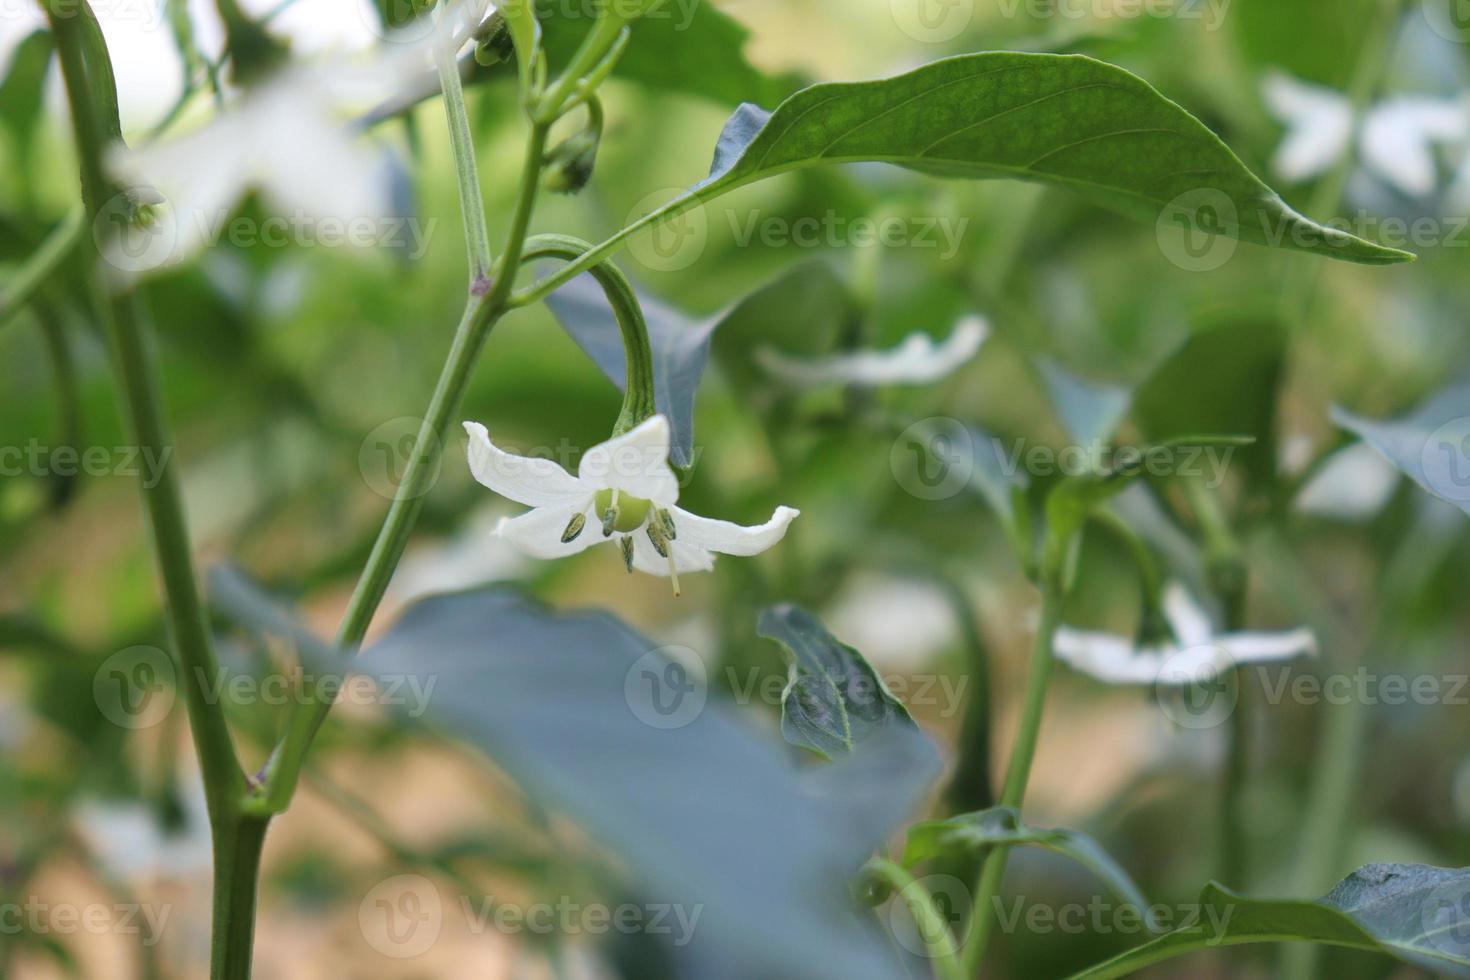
point(834, 699)
point(1065, 120)
point(1414, 912)
point(20, 92)
point(1431, 444)
point(594, 720)
point(972, 834)
point(680, 47)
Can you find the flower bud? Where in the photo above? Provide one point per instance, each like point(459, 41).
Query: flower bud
point(495, 44)
point(569, 164)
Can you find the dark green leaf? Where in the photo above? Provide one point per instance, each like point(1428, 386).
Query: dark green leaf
point(972, 834)
point(1417, 913)
point(1066, 120)
point(1431, 444)
point(834, 699)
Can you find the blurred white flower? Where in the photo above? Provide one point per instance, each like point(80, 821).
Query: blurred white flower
point(896, 622)
point(289, 138)
point(1354, 485)
point(917, 360)
point(1397, 138)
point(1196, 650)
point(131, 842)
point(623, 487)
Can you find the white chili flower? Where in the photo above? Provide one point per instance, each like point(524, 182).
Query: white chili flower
point(290, 138)
point(917, 360)
point(131, 842)
point(1397, 138)
point(623, 489)
point(1196, 650)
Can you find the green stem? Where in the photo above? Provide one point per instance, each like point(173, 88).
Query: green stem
point(32, 275)
point(971, 787)
point(1018, 774)
point(595, 47)
point(467, 174)
point(639, 397)
point(933, 927)
point(85, 66)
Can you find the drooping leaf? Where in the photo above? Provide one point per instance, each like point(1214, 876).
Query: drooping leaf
point(1417, 913)
point(679, 47)
point(596, 721)
point(1431, 445)
point(834, 699)
point(972, 834)
point(809, 295)
point(1065, 120)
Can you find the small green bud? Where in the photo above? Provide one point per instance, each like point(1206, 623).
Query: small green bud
point(495, 44)
point(627, 542)
point(569, 164)
point(574, 528)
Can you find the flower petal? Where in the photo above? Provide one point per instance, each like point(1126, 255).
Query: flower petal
point(1399, 137)
point(1319, 125)
point(538, 532)
point(1108, 657)
point(917, 360)
point(526, 480)
point(636, 462)
point(728, 538)
point(1256, 648)
point(687, 557)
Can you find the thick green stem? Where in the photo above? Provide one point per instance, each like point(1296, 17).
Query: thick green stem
point(237, 851)
point(1018, 774)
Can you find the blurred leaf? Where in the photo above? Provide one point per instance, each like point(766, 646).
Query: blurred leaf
point(1090, 411)
point(1417, 913)
point(592, 719)
point(682, 47)
point(834, 699)
point(1066, 120)
point(22, 88)
point(1313, 39)
point(1431, 445)
point(1225, 379)
point(972, 834)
